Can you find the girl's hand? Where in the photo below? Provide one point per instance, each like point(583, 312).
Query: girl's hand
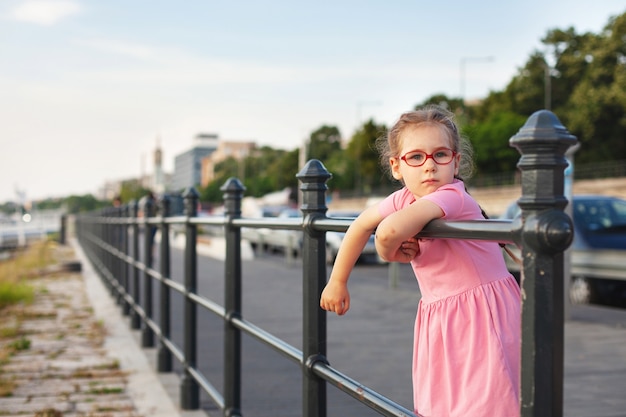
point(335, 297)
point(410, 248)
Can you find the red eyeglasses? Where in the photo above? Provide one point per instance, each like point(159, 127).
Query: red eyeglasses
point(441, 156)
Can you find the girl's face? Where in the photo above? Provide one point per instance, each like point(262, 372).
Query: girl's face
point(435, 144)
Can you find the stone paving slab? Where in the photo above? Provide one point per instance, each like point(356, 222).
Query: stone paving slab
point(61, 368)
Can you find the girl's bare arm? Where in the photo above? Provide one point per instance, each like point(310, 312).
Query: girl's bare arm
point(335, 296)
point(401, 226)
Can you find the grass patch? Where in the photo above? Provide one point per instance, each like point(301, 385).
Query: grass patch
point(20, 344)
point(14, 272)
point(111, 366)
point(15, 290)
point(14, 293)
point(35, 256)
point(10, 331)
point(106, 390)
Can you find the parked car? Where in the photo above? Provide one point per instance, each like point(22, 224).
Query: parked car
point(333, 241)
point(598, 251)
point(279, 240)
point(275, 240)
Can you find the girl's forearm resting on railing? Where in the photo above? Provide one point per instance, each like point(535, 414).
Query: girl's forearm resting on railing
point(395, 241)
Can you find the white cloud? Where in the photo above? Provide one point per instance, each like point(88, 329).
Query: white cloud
point(44, 12)
point(165, 65)
point(132, 50)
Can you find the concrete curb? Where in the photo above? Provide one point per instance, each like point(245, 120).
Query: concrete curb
point(154, 395)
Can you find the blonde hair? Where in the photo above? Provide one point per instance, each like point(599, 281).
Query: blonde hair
point(389, 146)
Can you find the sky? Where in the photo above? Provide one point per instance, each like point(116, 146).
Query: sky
point(88, 88)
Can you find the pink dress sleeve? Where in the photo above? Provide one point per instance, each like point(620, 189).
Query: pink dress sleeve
point(395, 201)
point(455, 202)
point(451, 198)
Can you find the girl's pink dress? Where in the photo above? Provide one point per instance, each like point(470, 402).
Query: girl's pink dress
point(467, 342)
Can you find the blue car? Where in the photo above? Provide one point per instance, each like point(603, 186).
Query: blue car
point(598, 251)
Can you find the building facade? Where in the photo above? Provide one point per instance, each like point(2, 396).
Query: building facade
point(188, 165)
point(237, 150)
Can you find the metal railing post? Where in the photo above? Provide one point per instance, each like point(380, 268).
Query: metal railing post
point(63, 230)
point(189, 388)
point(164, 356)
point(119, 262)
point(135, 320)
point(546, 231)
point(112, 259)
point(104, 232)
point(125, 213)
point(147, 336)
point(103, 255)
point(313, 177)
point(233, 194)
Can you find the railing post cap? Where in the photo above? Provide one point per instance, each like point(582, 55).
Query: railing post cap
point(314, 168)
point(147, 203)
point(540, 126)
point(232, 184)
point(190, 193)
point(164, 205)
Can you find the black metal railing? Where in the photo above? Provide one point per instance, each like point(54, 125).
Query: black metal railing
point(111, 240)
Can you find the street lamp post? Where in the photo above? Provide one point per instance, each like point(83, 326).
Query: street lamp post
point(462, 65)
point(547, 95)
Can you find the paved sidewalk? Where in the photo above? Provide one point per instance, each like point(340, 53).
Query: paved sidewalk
point(595, 362)
point(82, 359)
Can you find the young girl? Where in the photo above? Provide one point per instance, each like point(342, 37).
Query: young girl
point(466, 357)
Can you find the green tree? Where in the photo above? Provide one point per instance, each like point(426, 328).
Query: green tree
point(9, 207)
point(323, 142)
point(132, 190)
point(229, 167)
point(342, 170)
point(596, 108)
point(257, 180)
point(49, 204)
point(266, 171)
point(581, 78)
point(83, 203)
point(490, 140)
point(212, 193)
point(362, 150)
point(284, 169)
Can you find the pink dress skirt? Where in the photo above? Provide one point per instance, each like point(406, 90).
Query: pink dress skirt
point(467, 353)
point(467, 340)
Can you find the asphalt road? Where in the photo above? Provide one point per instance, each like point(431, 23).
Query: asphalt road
point(372, 343)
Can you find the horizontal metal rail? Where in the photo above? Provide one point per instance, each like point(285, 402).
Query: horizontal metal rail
point(543, 232)
point(501, 230)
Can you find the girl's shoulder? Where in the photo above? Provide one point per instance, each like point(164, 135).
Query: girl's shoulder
point(454, 190)
point(456, 185)
point(455, 201)
point(395, 201)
